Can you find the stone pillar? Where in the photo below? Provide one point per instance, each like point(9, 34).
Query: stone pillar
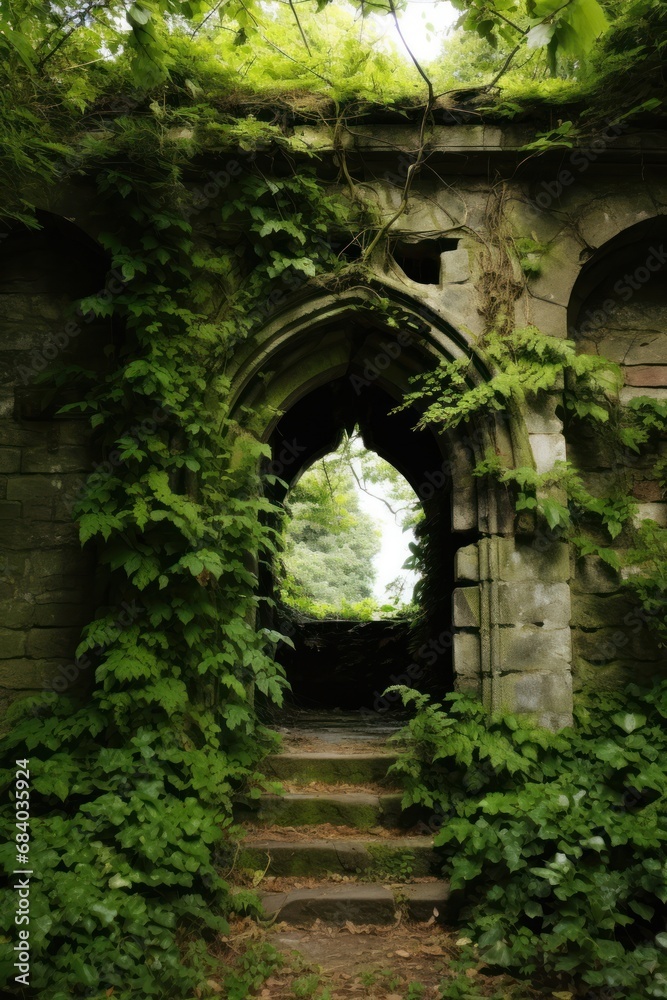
point(512, 641)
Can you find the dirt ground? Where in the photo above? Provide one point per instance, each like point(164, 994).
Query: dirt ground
point(400, 962)
point(327, 831)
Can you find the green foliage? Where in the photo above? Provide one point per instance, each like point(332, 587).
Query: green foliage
point(530, 253)
point(251, 970)
point(330, 541)
point(563, 29)
point(557, 841)
point(132, 793)
point(524, 365)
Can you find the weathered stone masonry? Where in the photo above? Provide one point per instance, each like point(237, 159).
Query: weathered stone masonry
point(530, 622)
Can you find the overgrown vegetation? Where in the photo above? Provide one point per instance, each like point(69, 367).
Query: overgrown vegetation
point(132, 791)
point(556, 841)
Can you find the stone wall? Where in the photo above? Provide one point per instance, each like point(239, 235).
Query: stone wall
point(512, 633)
point(47, 583)
point(622, 315)
point(525, 610)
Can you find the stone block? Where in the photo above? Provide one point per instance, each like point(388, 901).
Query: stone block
point(645, 349)
point(593, 576)
point(469, 685)
point(547, 695)
point(10, 510)
point(59, 563)
point(529, 647)
point(651, 511)
point(534, 603)
point(605, 645)
point(10, 459)
point(25, 674)
point(38, 511)
point(549, 317)
point(49, 643)
point(464, 509)
point(595, 610)
point(629, 392)
point(546, 562)
point(648, 491)
point(361, 904)
point(15, 435)
point(425, 899)
point(465, 607)
point(63, 615)
point(547, 450)
point(362, 810)
point(612, 676)
point(646, 375)
point(455, 266)
point(542, 419)
point(16, 613)
point(466, 563)
point(12, 643)
point(467, 655)
point(76, 596)
point(24, 534)
point(33, 488)
point(66, 458)
point(330, 768)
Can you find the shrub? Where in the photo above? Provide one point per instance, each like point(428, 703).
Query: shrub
point(556, 841)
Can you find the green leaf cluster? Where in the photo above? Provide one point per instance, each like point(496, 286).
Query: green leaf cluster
point(556, 841)
point(133, 792)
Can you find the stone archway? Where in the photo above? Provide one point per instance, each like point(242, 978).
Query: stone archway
point(508, 621)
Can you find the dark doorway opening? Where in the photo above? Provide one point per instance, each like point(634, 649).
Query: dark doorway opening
point(347, 664)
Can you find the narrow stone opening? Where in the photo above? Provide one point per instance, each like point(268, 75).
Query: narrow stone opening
point(421, 261)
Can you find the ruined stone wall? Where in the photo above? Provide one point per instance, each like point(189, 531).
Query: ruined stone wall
point(530, 620)
point(47, 583)
point(621, 313)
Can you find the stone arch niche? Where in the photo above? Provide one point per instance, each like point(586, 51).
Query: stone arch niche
point(618, 309)
point(47, 583)
point(323, 365)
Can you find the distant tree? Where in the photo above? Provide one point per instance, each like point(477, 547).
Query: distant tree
point(331, 543)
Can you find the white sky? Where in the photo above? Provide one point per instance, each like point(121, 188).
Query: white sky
point(425, 45)
point(394, 551)
point(395, 542)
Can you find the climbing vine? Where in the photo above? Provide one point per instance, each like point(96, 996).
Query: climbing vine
point(133, 791)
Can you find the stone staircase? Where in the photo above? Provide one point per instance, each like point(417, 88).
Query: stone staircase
point(335, 846)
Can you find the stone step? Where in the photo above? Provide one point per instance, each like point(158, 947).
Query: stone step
point(397, 857)
point(301, 767)
point(358, 903)
point(362, 810)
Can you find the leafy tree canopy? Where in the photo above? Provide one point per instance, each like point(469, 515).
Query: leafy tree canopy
point(84, 46)
point(330, 541)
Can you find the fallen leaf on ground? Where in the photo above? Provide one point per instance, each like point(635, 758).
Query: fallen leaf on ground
point(403, 954)
point(431, 949)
